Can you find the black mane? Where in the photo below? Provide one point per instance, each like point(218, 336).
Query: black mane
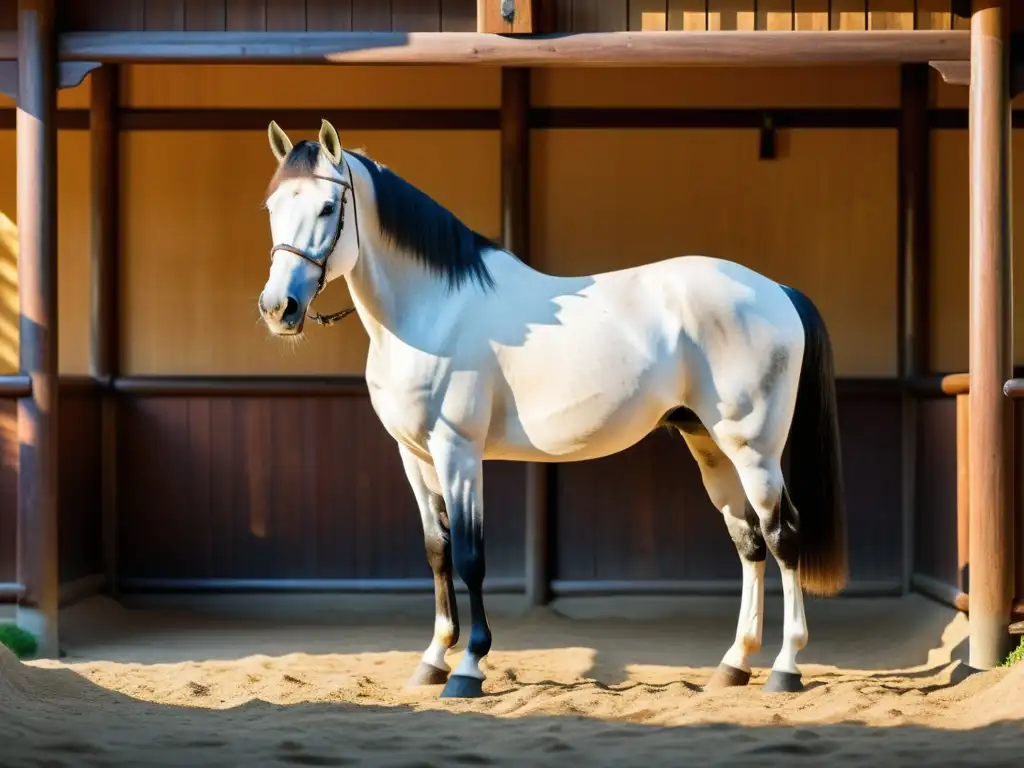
point(410, 220)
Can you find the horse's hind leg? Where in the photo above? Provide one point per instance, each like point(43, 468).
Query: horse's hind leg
point(760, 471)
point(726, 492)
point(433, 669)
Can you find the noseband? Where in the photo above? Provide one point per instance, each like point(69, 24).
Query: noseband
point(322, 261)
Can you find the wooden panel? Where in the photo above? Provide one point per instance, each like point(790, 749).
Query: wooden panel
point(8, 490)
point(81, 535)
point(328, 15)
point(644, 514)
point(458, 15)
point(284, 15)
point(716, 87)
point(266, 488)
point(891, 14)
point(371, 16)
point(731, 15)
point(600, 15)
point(74, 271)
point(165, 14)
point(416, 15)
point(648, 15)
point(199, 239)
point(312, 86)
point(8, 15)
point(951, 249)
point(935, 523)
point(205, 15)
point(811, 15)
point(246, 14)
point(101, 14)
point(933, 14)
point(775, 15)
point(849, 14)
point(687, 15)
point(689, 189)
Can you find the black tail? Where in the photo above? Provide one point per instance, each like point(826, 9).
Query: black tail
point(816, 467)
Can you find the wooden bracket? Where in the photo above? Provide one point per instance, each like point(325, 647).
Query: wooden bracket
point(953, 72)
point(769, 145)
point(72, 73)
point(514, 17)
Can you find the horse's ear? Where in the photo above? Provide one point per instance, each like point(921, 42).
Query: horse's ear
point(330, 142)
point(280, 144)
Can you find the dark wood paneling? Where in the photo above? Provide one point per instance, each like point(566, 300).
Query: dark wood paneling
point(416, 15)
point(101, 14)
point(285, 15)
point(935, 521)
point(371, 16)
point(644, 513)
point(246, 15)
point(165, 15)
point(458, 15)
point(8, 490)
point(80, 515)
point(328, 15)
point(205, 15)
point(281, 488)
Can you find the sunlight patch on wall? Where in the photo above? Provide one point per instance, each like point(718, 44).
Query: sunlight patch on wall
point(8, 293)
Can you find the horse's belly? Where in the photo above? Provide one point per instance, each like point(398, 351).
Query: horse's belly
point(590, 428)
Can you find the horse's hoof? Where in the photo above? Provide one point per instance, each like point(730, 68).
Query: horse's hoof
point(727, 677)
point(463, 687)
point(428, 674)
point(783, 682)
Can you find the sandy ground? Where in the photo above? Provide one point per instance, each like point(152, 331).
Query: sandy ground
point(617, 683)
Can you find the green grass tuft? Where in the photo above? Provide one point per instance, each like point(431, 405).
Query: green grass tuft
point(1016, 656)
point(21, 643)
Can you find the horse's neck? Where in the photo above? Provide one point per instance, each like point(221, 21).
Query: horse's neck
point(397, 297)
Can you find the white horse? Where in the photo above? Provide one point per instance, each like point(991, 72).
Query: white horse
point(474, 355)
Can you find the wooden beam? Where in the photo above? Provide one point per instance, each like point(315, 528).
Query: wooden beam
point(515, 232)
point(913, 281)
point(991, 347)
point(37, 293)
point(72, 73)
point(105, 295)
point(595, 49)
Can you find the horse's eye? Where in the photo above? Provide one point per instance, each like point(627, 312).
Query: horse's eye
point(327, 210)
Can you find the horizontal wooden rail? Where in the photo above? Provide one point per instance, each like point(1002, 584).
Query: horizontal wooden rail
point(241, 386)
point(10, 591)
point(588, 48)
point(673, 587)
point(354, 586)
point(16, 385)
point(1014, 389)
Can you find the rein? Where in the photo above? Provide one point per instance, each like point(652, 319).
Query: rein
point(322, 261)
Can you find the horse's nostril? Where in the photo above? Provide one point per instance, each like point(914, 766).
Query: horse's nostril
point(290, 308)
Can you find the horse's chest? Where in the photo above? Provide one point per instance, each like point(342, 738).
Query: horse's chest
point(404, 408)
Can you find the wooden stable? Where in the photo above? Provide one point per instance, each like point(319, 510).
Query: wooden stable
point(827, 143)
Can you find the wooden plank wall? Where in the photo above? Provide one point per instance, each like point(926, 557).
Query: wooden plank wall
point(460, 15)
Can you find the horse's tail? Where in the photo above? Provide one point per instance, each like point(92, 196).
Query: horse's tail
point(816, 470)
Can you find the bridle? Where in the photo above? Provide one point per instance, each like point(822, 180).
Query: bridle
point(322, 261)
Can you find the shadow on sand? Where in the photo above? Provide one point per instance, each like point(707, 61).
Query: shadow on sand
point(55, 717)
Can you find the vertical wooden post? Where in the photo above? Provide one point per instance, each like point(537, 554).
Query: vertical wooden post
point(37, 293)
point(913, 301)
point(991, 337)
point(515, 229)
point(104, 355)
point(963, 492)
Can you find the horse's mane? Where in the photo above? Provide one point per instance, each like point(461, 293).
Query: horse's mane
point(409, 219)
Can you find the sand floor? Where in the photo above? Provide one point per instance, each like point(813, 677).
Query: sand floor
point(616, 683)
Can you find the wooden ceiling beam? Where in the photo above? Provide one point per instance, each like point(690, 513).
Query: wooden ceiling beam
point(584, 49)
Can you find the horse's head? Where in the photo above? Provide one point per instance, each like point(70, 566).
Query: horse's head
point(307, 200)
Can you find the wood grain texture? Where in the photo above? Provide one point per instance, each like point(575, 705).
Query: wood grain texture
point(164, 15)
point(812, 15)
point(328, 15)
point(73, 265)
point(220, 258)
point(246, 15)
point(791, 209)
point(210, 491)
point(849, 15)
point(285, 16)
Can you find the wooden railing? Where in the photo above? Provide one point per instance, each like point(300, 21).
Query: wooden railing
point(958, 385)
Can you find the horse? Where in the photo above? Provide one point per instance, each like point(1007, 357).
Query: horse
point(476, 356)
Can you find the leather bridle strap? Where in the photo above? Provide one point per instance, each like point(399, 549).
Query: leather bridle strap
point(322, 261)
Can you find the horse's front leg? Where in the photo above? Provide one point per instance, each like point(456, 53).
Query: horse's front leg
point(460, 474)
point(433, 669)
